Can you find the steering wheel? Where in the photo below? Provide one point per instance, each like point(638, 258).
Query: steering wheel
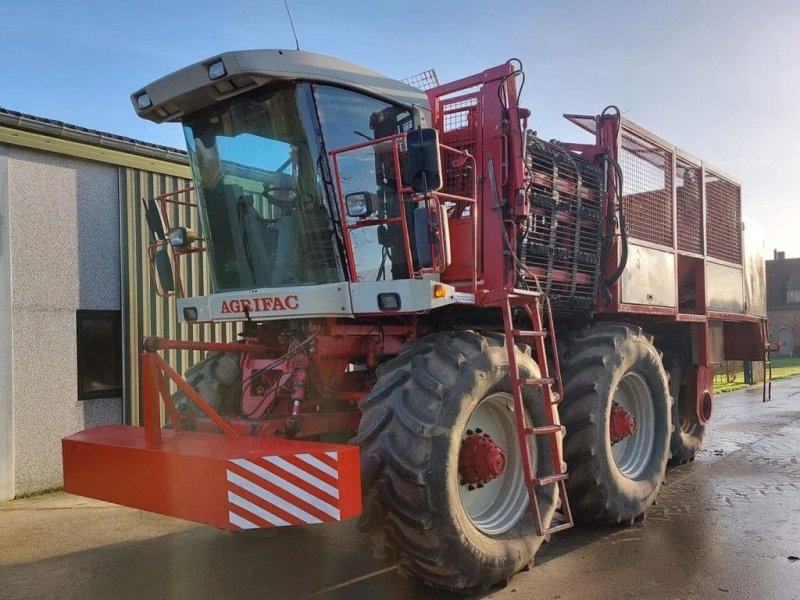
point(285, 203)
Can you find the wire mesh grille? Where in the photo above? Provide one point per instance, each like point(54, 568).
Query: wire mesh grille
point(646, 189)
point(423, 81)
point(460, 114)
point(689, 207)
point(458, 119)
point(586, 122)
point(723, 218)
point(562, 240)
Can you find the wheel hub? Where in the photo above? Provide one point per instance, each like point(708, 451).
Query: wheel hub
point(622, 423)
point(480, 459)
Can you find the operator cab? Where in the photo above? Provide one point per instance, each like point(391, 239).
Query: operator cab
point(260, 127)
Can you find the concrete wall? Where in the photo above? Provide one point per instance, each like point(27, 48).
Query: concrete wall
point(64, 247)
point(6, 405)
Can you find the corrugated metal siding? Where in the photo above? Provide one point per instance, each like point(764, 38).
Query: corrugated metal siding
point(144, 313)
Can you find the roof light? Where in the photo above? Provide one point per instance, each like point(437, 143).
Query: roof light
point(439, 291)
point(143, 101)
point(216, 70)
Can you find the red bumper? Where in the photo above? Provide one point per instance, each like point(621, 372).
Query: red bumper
point(232, 483)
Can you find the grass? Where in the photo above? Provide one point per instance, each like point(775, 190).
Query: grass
point(734, 380)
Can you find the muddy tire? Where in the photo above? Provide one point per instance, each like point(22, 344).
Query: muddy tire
point(607, 363)
point(688, 431)
point(216, 378)
point(415, 508)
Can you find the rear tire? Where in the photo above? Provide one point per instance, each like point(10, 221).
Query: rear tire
point(605, 363)
point(410, 435)
point(688, 431)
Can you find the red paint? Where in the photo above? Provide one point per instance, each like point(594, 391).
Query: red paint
point(622, 424)
point(480, 459)
point(705, 392)
point(185, 475)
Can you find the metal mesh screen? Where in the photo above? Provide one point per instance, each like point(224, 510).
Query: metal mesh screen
point(689, 207)
point(723, 218)
point(586, 122)
point(459, 114)
point(458, 122)
point(423, 81)
point(647, 189)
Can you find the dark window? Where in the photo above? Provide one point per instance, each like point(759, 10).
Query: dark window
point(99, 354)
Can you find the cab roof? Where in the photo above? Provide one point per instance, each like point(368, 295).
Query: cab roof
point(192, 88)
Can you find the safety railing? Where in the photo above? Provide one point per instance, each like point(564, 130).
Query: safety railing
point(388, 169)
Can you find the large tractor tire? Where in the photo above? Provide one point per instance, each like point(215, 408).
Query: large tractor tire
point(216, 378)
point(433, 404)
point(612, 372)
point(688, 432)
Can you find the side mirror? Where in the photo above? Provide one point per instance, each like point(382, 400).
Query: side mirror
point(153, 219)
point(164, 270)
point(360, 204)
point(422, 160)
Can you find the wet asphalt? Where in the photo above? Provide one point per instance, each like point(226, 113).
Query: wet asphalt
point(726, 526)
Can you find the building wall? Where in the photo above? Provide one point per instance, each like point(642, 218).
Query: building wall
point(64, 247)
point(6, 405)
point(785, 317)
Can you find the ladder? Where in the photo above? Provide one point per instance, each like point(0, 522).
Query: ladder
point(533, 302)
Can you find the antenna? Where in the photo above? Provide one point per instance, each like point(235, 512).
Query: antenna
point(291, 22)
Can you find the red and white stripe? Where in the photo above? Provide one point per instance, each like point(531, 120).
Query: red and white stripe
point(278, 491)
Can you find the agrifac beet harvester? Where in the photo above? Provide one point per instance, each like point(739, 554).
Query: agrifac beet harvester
point(400, 263)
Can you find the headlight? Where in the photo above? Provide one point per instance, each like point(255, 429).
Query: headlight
point(360, 204)
point(143, 101)
point(216, 70)
point(178, 237)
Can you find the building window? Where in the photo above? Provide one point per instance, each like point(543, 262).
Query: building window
point(793, 296)
point(99, 354)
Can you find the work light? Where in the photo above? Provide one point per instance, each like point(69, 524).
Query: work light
point(216, 70)
point(143, 101)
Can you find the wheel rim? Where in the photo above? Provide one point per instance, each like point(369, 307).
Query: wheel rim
point(632, 455)
point(496, 507)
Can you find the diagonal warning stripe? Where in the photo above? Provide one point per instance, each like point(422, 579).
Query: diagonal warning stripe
point(318, 464)
point(285, 485)
point(256, 510)
point(277, 490)
point(272, 499)
point(303, 475)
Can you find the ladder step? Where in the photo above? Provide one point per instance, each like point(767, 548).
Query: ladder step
point(526, 333)
point(557, 528)
point(551, 479)
point(539, 381)
point(544, 430)
point(518, 293)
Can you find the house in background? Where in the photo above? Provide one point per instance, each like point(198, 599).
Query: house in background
point(783, 304)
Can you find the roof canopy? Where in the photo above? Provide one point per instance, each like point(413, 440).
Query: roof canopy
point(192, 88)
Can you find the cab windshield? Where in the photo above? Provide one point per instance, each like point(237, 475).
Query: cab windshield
point(266, 198)
point(256, 166)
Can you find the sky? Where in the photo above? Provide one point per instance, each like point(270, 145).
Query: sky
point(718, 78)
